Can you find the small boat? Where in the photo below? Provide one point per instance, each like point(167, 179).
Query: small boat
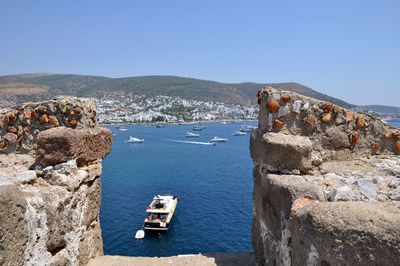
point(216, 139)
point(191, 135)
point(139, 234)
point(159, 126)
point(160, 213)
point(123, 129)
point(245, 129)
point(135, 140)
point(198, 128)
point(239, 133)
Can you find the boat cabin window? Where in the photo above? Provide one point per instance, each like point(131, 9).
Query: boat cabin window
point(156, 216)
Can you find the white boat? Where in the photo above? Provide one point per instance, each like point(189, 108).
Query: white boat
point(139, 234)
point(123, 129)
point(159, 126)
point(239, 133)
point(160, 213)
point(216, 139)
point(191, 135)
point(198, 128)
point(245, 129)
point(135, 140)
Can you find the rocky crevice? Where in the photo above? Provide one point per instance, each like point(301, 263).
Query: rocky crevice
point(326, 184)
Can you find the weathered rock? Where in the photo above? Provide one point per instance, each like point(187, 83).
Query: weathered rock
point(61, 144)
point(11, 138)
point(280, 151)
point(13, 226)
point(368, 188)
point(346, 233)
point(342, 194)
point(337, 137)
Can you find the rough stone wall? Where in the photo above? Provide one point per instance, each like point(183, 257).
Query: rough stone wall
point(50, 187)
point(326, 184)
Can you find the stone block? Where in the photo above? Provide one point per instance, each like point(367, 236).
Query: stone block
point(57, 145)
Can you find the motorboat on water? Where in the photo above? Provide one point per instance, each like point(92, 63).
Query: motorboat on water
point(245, 129)
point(191, 135)
point(239, 133)
point(123, 129)
point(160, 213)
point(135, 140)
point(216, 139)
point(198, 128)
point(159, 126)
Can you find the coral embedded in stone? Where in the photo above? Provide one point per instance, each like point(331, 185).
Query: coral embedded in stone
point(349, 116)
point(20, 129)
point(354, 139)
point(336, 109)
point(20, 138)
point(376, 146)
point(285, 98)
point(328, 107)
point(326, 118)
point(53, 120)
point(27, 129)
point(45, 118)
point(310, 120)
point(12, 129)
point(273, 106)
point(34, 115)
point(73, 123)
point(28, 115)
point(2, 145)
point(360, 122)
point(278, 123)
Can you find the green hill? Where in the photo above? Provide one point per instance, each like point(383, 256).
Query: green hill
point(36, 87)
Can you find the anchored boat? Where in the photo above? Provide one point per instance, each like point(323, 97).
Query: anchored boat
point(160, 213)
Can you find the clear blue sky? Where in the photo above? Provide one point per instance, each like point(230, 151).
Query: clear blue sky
point(346, 49)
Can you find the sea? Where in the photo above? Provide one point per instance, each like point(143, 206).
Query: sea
point(214, 185)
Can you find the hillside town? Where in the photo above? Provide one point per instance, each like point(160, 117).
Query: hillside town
point(141, 109)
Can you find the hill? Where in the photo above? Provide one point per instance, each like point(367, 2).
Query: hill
point(44, 86)
point(37, 87)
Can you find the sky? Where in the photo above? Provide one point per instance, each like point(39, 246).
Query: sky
point(346, 49)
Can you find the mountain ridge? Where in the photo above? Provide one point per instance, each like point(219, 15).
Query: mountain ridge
point(42, 86)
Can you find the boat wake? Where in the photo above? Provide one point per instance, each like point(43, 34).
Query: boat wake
point(192, 142)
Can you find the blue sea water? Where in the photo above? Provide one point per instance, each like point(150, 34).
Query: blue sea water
point(214, 185)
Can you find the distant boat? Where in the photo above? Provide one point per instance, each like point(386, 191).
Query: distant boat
point(198, 128)
point(239, 133)
point(216, 139)
point(225, 122)
point(159, 126)
point(160, 213)
point(245, 129)
point(191, 135)
point(123, 129)
point(135, 140)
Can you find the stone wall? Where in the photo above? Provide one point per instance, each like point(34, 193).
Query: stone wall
point(326, 184)
point(50, 190)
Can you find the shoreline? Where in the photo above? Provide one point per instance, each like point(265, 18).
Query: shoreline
point(184, 123)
